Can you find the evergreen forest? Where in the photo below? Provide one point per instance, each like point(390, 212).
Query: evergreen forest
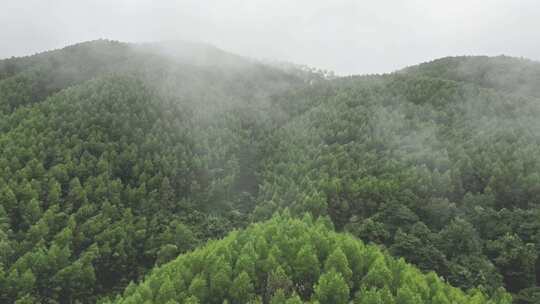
point(177, 172)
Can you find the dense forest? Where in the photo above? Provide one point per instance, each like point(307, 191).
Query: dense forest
point(180, 173)
point(290, 261)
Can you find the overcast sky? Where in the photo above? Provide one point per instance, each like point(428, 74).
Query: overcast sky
point(347, 36)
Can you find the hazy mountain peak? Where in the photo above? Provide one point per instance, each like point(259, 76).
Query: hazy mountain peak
point(510, 74)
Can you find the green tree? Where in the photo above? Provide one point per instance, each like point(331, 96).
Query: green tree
point(406, 296)
point(306, 270)
point(247, 261)
point(242, 289)
point(54, 192)
point(332, 289)
point(166, 292)
point(278, 297)
point(167, 194)
point(460, 238)
point(515, 260)
point(378, 275)
point(192, 300)
point(220, 280)
point(294, 299)
point(338, 261)
point(198, 288)
point(278, 280)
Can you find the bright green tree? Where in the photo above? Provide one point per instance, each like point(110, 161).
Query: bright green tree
point(199, 288)
point(332, 289)
point(242, 289)
point(338, 261)
point(306, 269)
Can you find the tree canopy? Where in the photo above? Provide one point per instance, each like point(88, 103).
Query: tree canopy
point(352, 273)
point(116, 158)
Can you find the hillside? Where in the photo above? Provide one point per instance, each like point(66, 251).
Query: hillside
point(442, 173)
point(113, 159)
point(515, 75)
point(116, 158)
point(215, 79)
point(289, 260)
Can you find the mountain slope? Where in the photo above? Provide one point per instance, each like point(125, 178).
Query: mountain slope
point(188, 75)
point(114, 159)
point(289, 260)
point(509, 74)
point(417, 164)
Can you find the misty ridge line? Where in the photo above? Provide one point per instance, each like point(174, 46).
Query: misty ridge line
point(205, 50)
point(171, 83)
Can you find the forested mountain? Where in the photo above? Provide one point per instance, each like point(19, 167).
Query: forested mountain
point(443, 173)
point(116, 158)
point(515, 75)
point(291, 261)
point(113, 159)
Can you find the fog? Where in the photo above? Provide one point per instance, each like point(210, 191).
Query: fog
point(346, 36)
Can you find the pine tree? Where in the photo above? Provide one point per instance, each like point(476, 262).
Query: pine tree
point(8, 199)
point(278, 297)
point(242, 290)
point(332, 289)
point(54, 192)
point(166, 292)
point(368, 296)
point(440, 298)
point(375, 296)
point(199, 288)
point(460, 238)
point(166, 194)
point(338, 261)
point(306, 270)
point(166, 253)
point(278, 280)
point(192, 300)
point(76, 196)
point(294, 299)
point(184, 238)
point(378, 275)
point(220, 280)
point(25, 283)
point(406, 296)
point(247, 262)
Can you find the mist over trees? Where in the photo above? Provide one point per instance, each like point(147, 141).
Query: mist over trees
point(120, 164)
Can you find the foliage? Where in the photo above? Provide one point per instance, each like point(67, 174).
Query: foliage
point(108, 166)
point(383, 279)
point(443, 172)
point(115, 158)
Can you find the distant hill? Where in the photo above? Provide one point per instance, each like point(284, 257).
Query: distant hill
point(513, 75)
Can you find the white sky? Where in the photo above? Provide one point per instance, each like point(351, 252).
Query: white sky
point(347, 36)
